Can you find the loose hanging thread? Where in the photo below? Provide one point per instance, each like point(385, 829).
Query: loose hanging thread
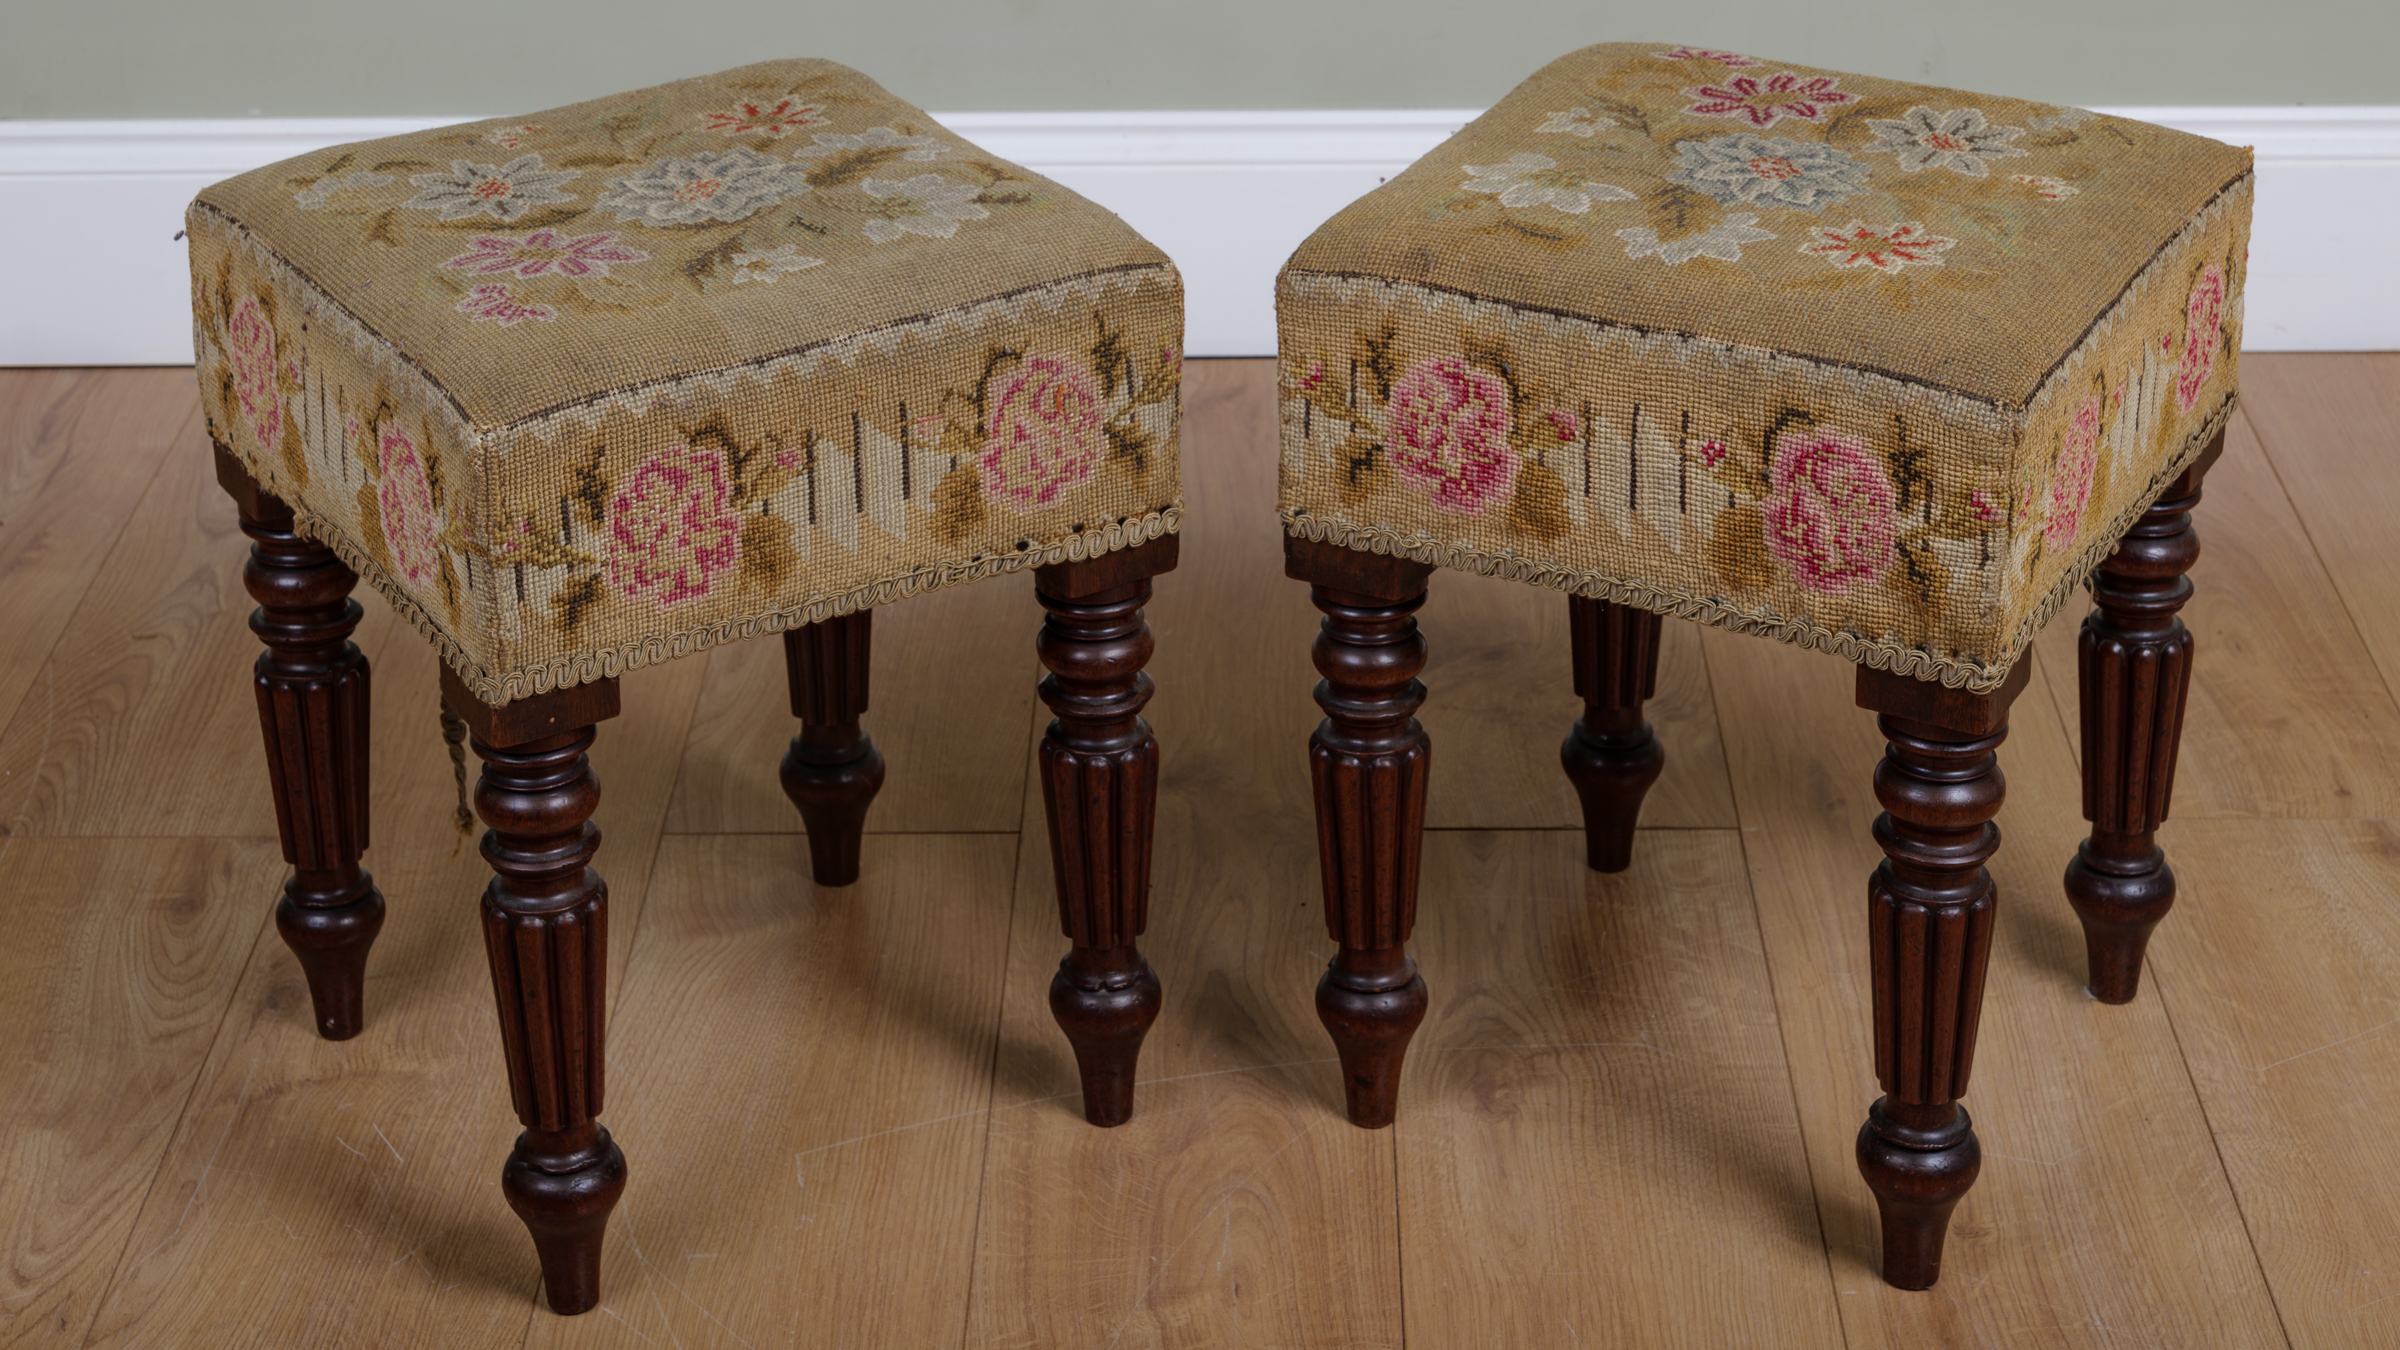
point(454, 732)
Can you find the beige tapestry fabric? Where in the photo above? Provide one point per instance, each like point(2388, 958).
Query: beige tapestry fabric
point(1872, 367)
point(599, 386)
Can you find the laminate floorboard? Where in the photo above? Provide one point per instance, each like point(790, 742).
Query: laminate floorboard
point(850, 1120)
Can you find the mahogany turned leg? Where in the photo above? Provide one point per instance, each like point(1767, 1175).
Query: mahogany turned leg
point(1612, 756)
point(2134, 666)
point(1930, 907)
point(832, 770)
point(1368, 759)
point(312, 707)
point(545, 929)
point(1100, 795)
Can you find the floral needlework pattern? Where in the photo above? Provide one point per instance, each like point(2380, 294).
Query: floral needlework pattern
point(927, 204)
point(672, 531)
point(1751, 170)
point(1704, 54)
point(1830, 510)
point(728, 186)
point(406, 507)
point(2047, 188)
point(1449, 434)
point(503, 192)
point(1528, 180)
point(1722, 241)
point(1886, 248)
point(1960, 141)
point(250, 345)
point(2203, 330)
point(493, 302)
point(1763, 103)
point(1581, 122)
point(2071, 474)
point(317, 194)
point(585, 255)
point(779, 118)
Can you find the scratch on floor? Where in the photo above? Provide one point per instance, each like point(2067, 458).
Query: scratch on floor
point(2326, 1046)
point(241, 1095)
point(378, 1129)
point(878, 1134)
point(628, 1325)
point(346, 1144)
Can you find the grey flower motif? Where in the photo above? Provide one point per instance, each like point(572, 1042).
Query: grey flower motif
point(1959, 140)
point(1722, 241)
point(875, 138)
point(503, 193)
point(770, 265)
point(1580, 122)
point(723, 186)
point(316, 194)
point(1516, 184)
point(1747, 169)
point(942, 203)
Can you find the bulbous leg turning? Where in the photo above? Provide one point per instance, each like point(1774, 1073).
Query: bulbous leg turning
point(1611, 755)
point(831, 770)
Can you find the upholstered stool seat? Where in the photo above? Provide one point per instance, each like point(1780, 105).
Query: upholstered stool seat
point(601, 386)
point(1880, 369)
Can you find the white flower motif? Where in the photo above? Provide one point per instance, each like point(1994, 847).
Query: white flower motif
point(316, 194)
point(1582, 122)
point(2065, 119)
point(509, 138)
point(1722, 241)
point(1959, 140)
point(723, 186)
point(1515, 184)
point(875, 138)
point(504, 193)
point(770, 265)
point(942, 202)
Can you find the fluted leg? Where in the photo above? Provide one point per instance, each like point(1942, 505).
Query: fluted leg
point(832, 771)
point(312, 707)
point(1930, 907)
point(545, 929)
point(1368, 760)
point(1100, 794)
point(2134, 666)
point(1612, 756)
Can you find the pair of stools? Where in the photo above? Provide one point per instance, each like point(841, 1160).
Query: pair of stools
point(1875, 368)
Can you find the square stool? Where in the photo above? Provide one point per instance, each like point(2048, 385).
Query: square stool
point(606, 385)
point(1880, 369)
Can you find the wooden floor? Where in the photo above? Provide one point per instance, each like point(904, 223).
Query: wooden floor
point(1628, 1119)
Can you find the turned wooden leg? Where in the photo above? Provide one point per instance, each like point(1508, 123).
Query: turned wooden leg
point(1612, 756)
point(832, 770)
point(312, 707)
point(1368, 760)
point(545, 928)
point(1930, 907)
point(1100, 795)
point(2134, 666)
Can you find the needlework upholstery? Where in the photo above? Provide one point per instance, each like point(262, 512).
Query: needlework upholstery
point(1872, 367)
point(600, 386)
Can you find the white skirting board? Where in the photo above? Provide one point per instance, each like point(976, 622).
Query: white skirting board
point(90, 273)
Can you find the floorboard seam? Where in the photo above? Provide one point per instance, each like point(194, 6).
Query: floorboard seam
point(2325, 570)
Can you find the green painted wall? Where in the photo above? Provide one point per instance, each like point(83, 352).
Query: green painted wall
point(292, 58)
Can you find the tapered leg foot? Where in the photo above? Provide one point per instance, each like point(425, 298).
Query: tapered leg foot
point(1919, 1172)
point(563, 1185)
point(1611, 755)
point(331, 934)
point(832, 770)
point(312, 686)
point(1105, 1001)
point(2134, 672)
point(1099, 770)
point(1371, 1003)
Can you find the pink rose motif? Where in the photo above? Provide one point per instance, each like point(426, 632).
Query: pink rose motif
point(1982, 506)
point(1712, 453)
point(405, 502)
point(585, 255)
point(1045, 430)
point(2203, 321)
point(777, 119)
point(2071, 474)
point(250, 345)
point(1829, 513)
point(674, 528)
point(1449, 434)
point(1314, 377)
point(492, 303)
point(1565, 425)
point(1763, 103)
